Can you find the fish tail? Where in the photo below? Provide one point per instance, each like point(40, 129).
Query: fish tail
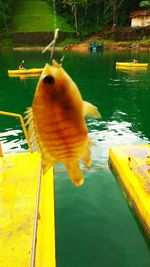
point(75, 173)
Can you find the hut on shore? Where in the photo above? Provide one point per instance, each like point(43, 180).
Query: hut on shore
point(140, 18)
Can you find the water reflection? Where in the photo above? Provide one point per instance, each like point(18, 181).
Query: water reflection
point(24, 76)
point(112, 133)
point(12, 140)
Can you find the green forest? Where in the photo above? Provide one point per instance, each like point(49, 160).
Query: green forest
point(83, 17)
point(94, 14)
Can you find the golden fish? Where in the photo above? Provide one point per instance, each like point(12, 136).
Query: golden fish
point(56, 120)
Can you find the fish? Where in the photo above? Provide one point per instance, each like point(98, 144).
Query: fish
point(56, 122)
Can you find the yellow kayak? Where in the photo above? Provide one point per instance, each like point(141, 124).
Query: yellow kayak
point(26, 71)
point(131, 64)
point(25, 76)
point(132, 165)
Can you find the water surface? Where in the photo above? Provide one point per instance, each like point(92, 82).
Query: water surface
point(94, 224)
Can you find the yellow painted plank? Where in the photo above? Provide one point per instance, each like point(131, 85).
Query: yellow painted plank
point(134, 186)
point(18, 189)
point(45, 248)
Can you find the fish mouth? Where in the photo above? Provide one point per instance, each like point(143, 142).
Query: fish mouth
point(48, 75)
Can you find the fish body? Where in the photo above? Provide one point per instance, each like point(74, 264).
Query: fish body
point(57, 126)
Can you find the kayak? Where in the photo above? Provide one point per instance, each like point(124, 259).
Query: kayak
point(132, 166)
point(131, 70)
point(131, 64)
point(25, 76)
point(26, 71)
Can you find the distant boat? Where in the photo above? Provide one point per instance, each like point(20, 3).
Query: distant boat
point(96, 47)
point(131, 65)
point(26, 71)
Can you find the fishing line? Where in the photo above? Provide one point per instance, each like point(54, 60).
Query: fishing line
point(52, 43)
point(55, 38)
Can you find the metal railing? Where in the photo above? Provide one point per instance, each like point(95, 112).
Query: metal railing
point(22, 124)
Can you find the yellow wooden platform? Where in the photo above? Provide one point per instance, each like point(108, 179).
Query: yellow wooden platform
point(132, 165)
point(27, 228)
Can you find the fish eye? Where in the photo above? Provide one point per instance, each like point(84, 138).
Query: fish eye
point(49, 79)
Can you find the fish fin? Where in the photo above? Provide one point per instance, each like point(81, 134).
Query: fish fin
point(31, 130)
point(47, 161)
point(91, 110)
point(87, 158)
point(91, 142)
point(75, 172)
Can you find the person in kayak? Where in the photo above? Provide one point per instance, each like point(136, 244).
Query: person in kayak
point(134, 60)
point(21, 67)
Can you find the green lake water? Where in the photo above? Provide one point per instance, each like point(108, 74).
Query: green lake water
point(95, 226)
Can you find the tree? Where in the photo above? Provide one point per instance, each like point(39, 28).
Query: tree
point(113, 6)
point(75, 5)
point(5, 13)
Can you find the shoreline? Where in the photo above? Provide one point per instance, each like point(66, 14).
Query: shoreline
point(34, 48)
point(82, 48)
